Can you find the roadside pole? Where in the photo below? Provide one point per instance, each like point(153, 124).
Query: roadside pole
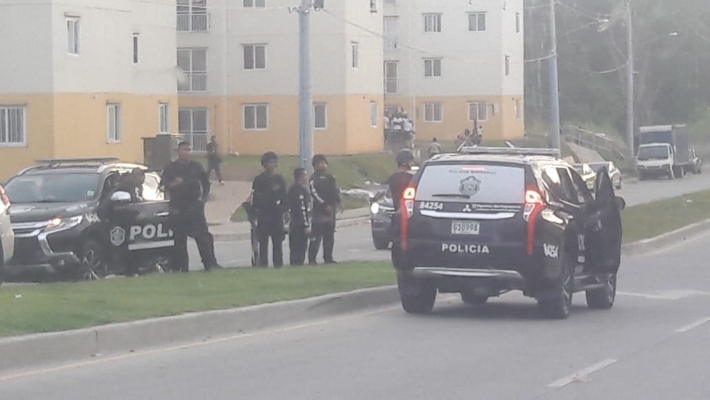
point(554, 82)
point(305, 91)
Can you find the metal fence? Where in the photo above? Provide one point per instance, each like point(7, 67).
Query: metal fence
point(193, 22)
point(194, 82)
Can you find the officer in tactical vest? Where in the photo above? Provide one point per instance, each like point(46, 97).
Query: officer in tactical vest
point(326, 202)
point(188, 188)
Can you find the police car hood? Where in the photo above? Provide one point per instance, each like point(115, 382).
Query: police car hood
point(36, 212)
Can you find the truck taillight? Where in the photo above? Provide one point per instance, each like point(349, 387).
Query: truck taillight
point(408, 200)
point(3, 197)
point(534, 203)
point(407, 205)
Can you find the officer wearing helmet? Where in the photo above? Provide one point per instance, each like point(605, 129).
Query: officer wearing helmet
point(270, 202)
point(326, 201)
point(399, 180)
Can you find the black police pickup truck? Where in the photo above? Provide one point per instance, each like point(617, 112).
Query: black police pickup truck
point(55, 216)
point(492, 220)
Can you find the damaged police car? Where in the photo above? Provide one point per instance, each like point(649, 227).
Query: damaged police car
point(56, 207)
point(493, 220)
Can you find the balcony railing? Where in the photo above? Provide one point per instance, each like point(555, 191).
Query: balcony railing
point(194, 82)
point(193, 22)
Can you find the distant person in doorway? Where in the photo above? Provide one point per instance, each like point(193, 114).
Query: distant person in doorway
point(214, 160)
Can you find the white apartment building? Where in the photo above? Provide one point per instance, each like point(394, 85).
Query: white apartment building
point(241, 75)
point(84, 78)
point(449, 63)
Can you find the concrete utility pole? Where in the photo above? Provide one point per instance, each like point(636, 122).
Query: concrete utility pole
point(630, 94)
point(554, 82)
point(305, 91)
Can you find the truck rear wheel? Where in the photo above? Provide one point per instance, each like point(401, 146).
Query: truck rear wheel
point(417, 295)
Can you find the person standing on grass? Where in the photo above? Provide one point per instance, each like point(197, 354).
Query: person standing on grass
point(270, 204)
point(300, 226)
point(326, 201)
point(188, 188)
point(434, 148)
point(214, 161)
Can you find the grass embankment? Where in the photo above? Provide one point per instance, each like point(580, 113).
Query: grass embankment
point(645, 221)
point(64, 306)
point(350, 172)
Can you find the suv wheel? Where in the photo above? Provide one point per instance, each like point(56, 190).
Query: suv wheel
point(417, 295)
point(603, 299)
point(93, 265)
point(558, 305)
point(473, 300)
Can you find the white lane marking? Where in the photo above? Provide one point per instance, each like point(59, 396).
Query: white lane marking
point(580, 375)
point(666, 295)
point(692, 326)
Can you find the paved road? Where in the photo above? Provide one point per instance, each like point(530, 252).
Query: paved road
point(653, 345)
point(354, 243)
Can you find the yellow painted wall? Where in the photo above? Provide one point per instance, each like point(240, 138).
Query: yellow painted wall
point(75, 126)
point(39, 129)
point(362, 136)
point(348, 128)
point(502, 125)
point(81, 124)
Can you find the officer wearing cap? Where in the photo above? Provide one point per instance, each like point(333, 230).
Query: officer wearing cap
point(188, 188)
point(326, 200)
point(270, 203)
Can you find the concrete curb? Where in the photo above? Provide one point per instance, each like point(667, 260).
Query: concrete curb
point(83, 344)
point(341, 223)
point(62, 347)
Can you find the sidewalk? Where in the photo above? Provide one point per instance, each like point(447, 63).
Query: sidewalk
point(225, 199)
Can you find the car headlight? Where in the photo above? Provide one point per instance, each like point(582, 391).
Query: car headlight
point(375, 208)
point(66, 223)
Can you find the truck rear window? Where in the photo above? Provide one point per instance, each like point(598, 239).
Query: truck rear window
point(491, 184)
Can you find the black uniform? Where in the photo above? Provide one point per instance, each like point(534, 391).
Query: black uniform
point(326, 198)
point(270, 204)
point(299, 204)
point(187, 212)
point(214, 162)
point(397, 183)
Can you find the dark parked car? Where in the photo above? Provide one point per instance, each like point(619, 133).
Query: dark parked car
point(495, 220)
point(55, 216)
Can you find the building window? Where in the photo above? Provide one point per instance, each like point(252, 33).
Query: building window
point(256, 117)
point(432, 22)
point(391, 77)
point(477, 111)
point(192, 16)
point(254, 3)
point(73, 35)
point(374, 115)
point(390, 31)
point(477, 22)
point(320, 115)
point(163, 118)
point(113, 124)
point(355, 50)
point(433, 112)
point(507, 65)
point(12, 126)
point(517, 22)
point(254, 56)
point(432, 67)
point(193, 126)
point(135, 48)
point(193, 62)
point(518, 109)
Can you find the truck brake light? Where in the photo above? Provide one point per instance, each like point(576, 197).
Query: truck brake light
point(534, 204)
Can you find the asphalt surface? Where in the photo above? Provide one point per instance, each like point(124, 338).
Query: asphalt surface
point(653, 344)
point(355, 243)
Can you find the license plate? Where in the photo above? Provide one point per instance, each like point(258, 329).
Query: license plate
point(465, 228)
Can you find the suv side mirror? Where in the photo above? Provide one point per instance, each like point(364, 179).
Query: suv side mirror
point(620, 203)
point(121, 197)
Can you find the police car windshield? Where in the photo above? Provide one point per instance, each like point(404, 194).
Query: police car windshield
point(53, 188)
point(491, 184)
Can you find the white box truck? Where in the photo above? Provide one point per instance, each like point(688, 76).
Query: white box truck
point(663, 150)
